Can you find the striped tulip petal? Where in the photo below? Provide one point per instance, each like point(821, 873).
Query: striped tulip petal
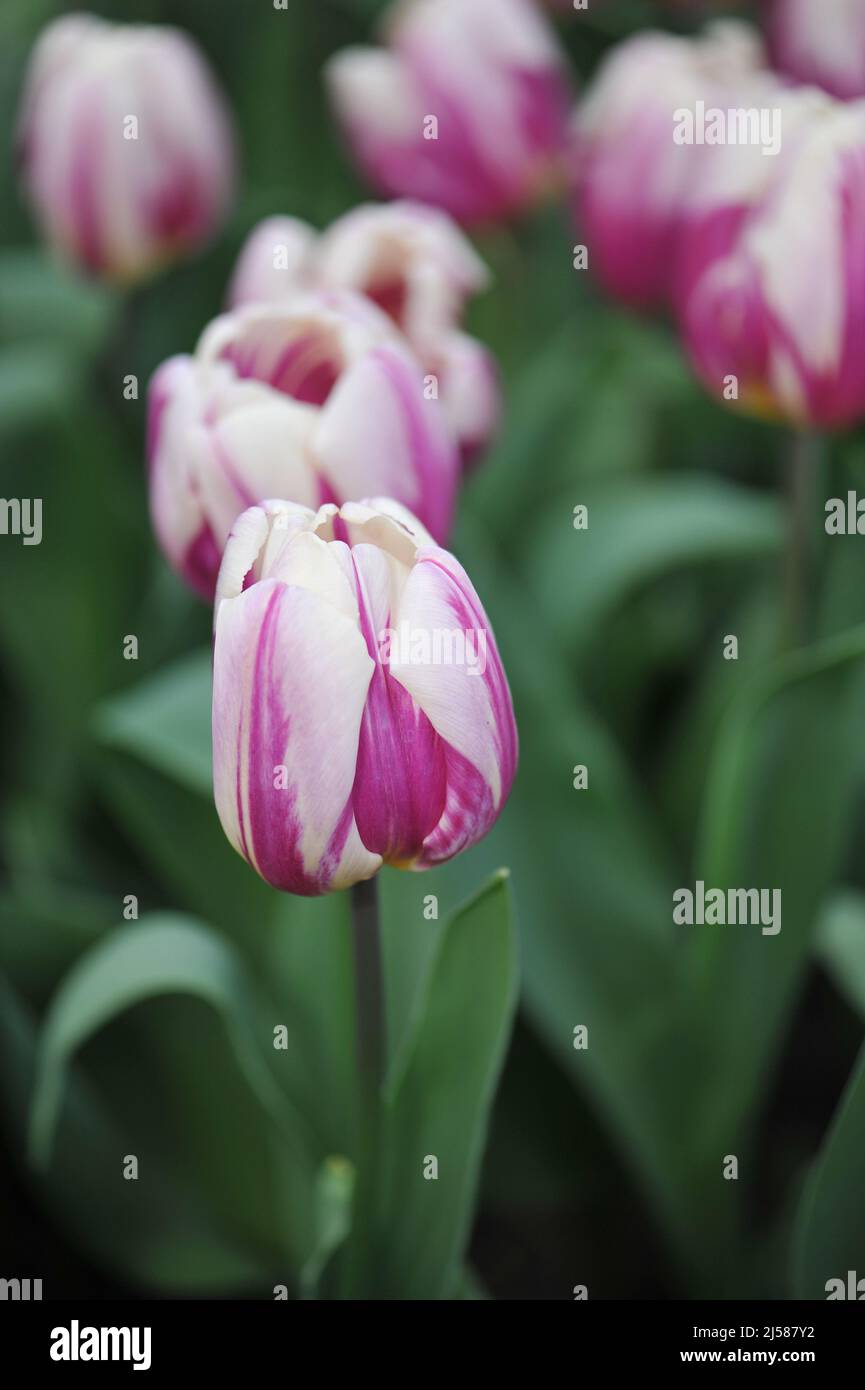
point(285, 736)
point(464, 694)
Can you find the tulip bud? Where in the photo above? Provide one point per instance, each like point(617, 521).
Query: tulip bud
point(821, 43)
point(277, 259)
point(317, 396)
point(782, 314)
point(361, 714)
point(418, 267)
point(631, 175)
point(465, 108)
point(125, 144)
point(731, 181)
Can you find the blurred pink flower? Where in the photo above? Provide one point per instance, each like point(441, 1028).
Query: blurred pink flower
point(730, 181)
point(125, 144)
point(337, 745)
point(630, 176)
point(412, 261)
point(465, 106)
point(819, 41)
point(318, 398)
point(782, 309)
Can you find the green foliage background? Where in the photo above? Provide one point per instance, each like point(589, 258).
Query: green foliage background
point(600, 1166)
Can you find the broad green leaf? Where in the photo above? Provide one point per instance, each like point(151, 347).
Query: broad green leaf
point(157, 1233)
point(638, 530)
point(177, 831)
point(41, 302)
point(438, 1099)
point(777, 816)
point(165, 721)
point(36, 384)
point(470, 1288)
point(334, 1188)
point(160, 955)
point(596, 944)
point(43, 930)
point(840, 945)
point(830, 1233)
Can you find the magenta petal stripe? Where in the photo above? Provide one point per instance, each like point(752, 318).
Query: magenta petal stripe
point(285, 740)
point(400, 784)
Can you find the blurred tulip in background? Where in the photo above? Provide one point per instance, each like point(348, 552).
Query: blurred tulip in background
point(416, 264)
point(819, 42)
point(630, 177)
point(125, 145)
point(464, 106)
point(783, 309)
point(317, 397)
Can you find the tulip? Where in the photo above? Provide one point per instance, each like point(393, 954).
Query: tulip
point(277, 259)
point(317, 397)
point(783, 311)
point(630, 176)
point(337, 745)
point(417, 266)
point(125, 145)
point(731, 181)
point(821, 43)
point(464, 108)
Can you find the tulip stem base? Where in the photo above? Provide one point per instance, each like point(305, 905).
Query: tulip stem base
point(370, 1053)
point(368, 984)
point(802, 467)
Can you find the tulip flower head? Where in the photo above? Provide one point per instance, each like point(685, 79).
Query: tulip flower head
point(631, 177)
point(417, 266)
point(782, 312)
point(730, 182)
point(318, 395)
point(822, 43)
point(125, 145)
point(465, 107)
point(361, 714)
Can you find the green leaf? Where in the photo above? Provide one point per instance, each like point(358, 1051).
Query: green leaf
point(597, 944)
point(840, 945)
point(471, 1289)
point(178, 832)
point(639, 529)
point(165, 721)
point(156, 1233)
point(37, 383)
point(438, 1099)
point(777, 815)
point(334, 1189)
point(41, 301)
point(830, 1233)
point(162, 954)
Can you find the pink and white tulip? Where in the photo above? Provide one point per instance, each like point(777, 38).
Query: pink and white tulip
point(337, 746)
point(783, 310)
point(464, 108)
point(125, 145)
point(822, 43)
point(417, 266)
point(631, 178)
point(318, 398)
point(277, 259)
point(731, 181)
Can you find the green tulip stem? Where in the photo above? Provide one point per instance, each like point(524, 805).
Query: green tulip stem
point(369, 985)
point(802, 468)
point(370, 1055)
